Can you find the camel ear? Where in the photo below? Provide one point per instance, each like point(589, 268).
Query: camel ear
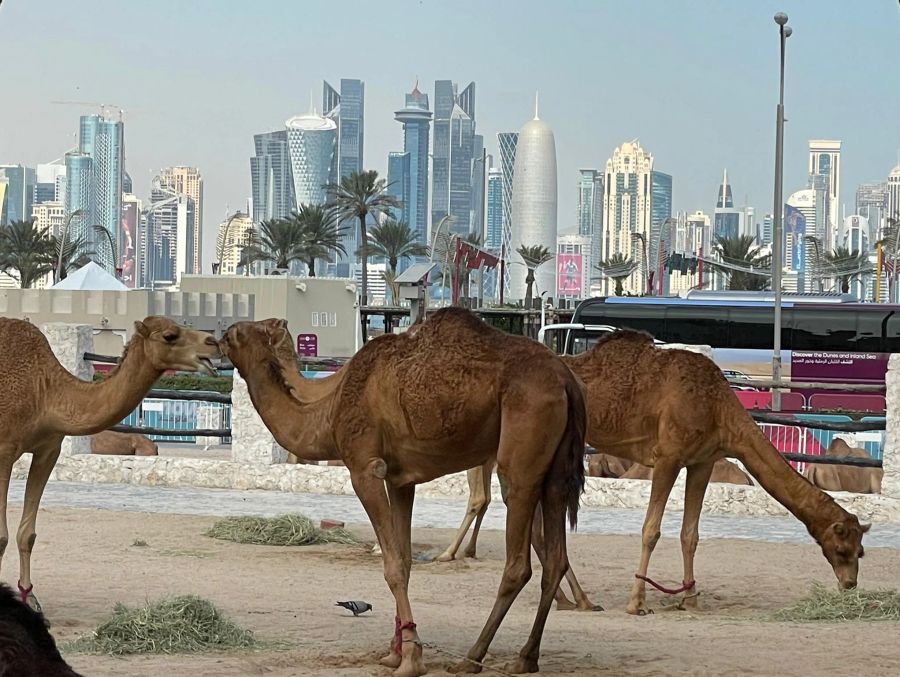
point(865, 527)
point(141, 328)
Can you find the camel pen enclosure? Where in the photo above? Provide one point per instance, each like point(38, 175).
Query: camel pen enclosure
point(172, 500)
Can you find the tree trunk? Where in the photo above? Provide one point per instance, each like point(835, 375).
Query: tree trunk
point(529, 284)
point(619, 287)
point(311, 264)
point(845, 285)
point(364, 248)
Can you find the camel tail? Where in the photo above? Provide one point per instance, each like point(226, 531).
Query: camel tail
point(568, 463)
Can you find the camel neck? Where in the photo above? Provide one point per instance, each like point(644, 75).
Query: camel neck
point(301, 427)
point(816, 509)
point(85, 408)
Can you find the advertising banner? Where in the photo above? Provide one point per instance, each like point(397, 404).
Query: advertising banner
point(569, 275)
point(128, 244)
point(794, 231)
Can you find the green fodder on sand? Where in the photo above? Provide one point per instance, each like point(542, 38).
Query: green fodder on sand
point(827, 604)
point(186, 624)
point(291, 529)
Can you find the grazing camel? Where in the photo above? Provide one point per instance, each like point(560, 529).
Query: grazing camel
point(41, 403)
point(123, 444)
point(26, 646)
point(604, 465)
point(671, 409)
point(410, 408)
point(845, 477)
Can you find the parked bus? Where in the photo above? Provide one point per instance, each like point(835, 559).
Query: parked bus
point(823, 338)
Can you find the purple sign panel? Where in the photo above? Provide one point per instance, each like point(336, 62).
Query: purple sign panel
point(307, 345)
point(840, 367)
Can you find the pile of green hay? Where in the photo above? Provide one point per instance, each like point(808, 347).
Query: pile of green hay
point(291, 529)
point(186, 624)
point(828, 604)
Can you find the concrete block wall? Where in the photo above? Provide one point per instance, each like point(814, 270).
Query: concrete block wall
point(69, 342)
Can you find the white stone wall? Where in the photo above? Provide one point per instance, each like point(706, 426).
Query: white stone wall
point(890, 484)
point(69, 343)
point(251, 441)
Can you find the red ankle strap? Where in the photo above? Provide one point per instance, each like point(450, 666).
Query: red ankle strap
point(24, 592)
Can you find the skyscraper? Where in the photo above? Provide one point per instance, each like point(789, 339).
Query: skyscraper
point(416, 120)
point(311, 143)
point(661, 232)
point(189, 182)
point(871, 202)
point(16, 193)
point(399, 183)
point(494, 234)
point(347, 109)
point(507, 142)
point(272, 188)
point(534, 208)
point(726, 219)
point(454, 152)
point(169, 241)
point(825, 160)
point(590, 208)
point(94, 184)
point(893, 193)
point(626, 211)
point(230, 242)
point(50, 183)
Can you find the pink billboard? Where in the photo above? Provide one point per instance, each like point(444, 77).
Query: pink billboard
point(128, 244)
point(569, 275)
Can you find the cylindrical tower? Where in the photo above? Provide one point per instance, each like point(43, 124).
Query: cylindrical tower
point(534, 206)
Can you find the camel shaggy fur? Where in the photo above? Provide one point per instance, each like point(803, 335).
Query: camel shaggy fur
point(27, 648)
point(41, 403)
point(123, 444)
point(410, 408)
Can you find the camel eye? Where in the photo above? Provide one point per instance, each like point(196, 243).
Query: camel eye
point(170, 337)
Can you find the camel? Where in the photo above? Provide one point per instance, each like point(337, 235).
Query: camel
point(409, 408)
point(123, 444)
point(671, 409)
point(845, 477)
point(41, 403)
point(723, 471)
point(604, 465)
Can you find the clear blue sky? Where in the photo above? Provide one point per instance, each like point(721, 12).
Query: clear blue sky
point(695, 82)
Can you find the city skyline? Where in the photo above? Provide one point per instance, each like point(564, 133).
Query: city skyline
point(214, 127)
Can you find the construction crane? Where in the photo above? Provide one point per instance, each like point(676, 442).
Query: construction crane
point(102, 106)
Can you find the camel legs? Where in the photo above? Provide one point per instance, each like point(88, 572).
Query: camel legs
point(479, 480)
point(7, 455)
point(386, 518)
point(582, 603)
point(664, 474)
point(42, 462)
point(520, 504)
point(694, 492)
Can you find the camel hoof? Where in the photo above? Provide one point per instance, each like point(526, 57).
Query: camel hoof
point(411, 668)
point(566, 605)
point(469, 554)
point(690, 602)
point(640, 611)
point(521, 666)
point(589, 607)
point(32, 602)
point(444, 557)
point(392, 660)
point(466, 667)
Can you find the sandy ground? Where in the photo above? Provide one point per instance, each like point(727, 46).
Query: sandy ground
point(85, 562)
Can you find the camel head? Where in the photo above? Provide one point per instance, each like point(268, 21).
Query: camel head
point(842, 546)
point(169, 346)
point(254, 344)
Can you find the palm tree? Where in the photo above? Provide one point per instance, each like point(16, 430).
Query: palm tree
point(107, 237)
point(321, 234)
point(846, 264)
point(75, 253)
point(618, 267)
point(742, 263)
point(358, 195)
point(534, 256)
point(27, 250)
point(278, 241)
point(394, 241)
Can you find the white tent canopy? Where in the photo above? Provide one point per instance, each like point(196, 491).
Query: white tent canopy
point(90, 277)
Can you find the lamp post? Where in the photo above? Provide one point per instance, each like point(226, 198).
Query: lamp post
point(777, 245)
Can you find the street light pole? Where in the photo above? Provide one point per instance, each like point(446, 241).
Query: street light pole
point(777, 245)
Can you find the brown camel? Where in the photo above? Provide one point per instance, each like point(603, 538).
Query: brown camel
point(604, 465)
point(845, 477)
point(41, 403)
point(671, 409)
point(123, 444)
point(410, 408)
